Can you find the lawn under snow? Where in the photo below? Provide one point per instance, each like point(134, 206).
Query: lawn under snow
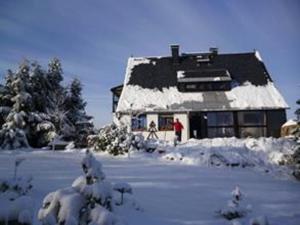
point(170, 191)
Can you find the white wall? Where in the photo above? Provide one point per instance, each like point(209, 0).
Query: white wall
point(162, 135)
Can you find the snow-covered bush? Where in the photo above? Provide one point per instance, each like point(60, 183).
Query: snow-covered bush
point(15, 206)
point(234, 209)
point(115, 140)
point(90, 199)
point(295, 157)
point(12, 138)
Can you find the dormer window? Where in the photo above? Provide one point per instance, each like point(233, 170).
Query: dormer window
point(202, 58)
point(204, 80)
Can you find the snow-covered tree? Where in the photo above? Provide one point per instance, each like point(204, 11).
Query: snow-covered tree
point(88, 201)
point(33, 107)
point(5, 104)
point(75, 112)
point(15, 128)
point(56, 96)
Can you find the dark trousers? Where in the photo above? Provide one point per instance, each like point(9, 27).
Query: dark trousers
point(178, 134)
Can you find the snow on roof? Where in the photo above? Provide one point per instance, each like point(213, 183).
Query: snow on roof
point(132, 62)
point(245, 96)
point(258, 56)
point(290, 123)
point(180, 74)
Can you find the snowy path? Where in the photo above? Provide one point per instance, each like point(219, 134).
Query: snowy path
point(169, 193)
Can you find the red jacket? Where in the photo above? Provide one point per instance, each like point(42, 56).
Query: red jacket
point(177, 126)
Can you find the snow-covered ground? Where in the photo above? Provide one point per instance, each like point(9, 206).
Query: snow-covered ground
point(169, 192)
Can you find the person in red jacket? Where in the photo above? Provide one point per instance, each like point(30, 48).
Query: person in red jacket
point(178, 128)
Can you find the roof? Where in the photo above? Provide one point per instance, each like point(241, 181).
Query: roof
point(160, 72)
point(151, 83)
point(290, 122)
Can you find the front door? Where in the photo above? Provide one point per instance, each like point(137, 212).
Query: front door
point(197, 125)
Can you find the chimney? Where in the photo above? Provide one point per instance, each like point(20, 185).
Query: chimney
point(175, 54)
point(213, 50)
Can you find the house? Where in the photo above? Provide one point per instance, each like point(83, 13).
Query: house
point(212, 94)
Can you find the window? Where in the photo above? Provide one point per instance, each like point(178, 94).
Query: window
point(220, 119)
point(191, 86)
point(165, 122)
point(220, 124)
point(115, 102)
point(204, 86)
point(139, 123)
point(252, 124)
point(251, 118)
point(220, 132)
point(253, 132)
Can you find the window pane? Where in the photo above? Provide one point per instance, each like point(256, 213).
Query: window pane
point(191, 86)
point(165, 122)
point(220, 132)
point(252, 132)
point(139, 123)
point(251, 118)
point(220, 119)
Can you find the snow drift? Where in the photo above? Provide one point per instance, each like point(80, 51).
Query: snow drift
point(267, 154)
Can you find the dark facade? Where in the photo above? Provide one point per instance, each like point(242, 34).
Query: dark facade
point(241, 124)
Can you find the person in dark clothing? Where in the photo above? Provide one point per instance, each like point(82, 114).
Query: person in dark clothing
point(152, 131)
point(178, 127)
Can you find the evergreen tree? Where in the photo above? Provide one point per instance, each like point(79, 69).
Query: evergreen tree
point(15, 128)
point(76, 114)
point(56, 100)
point(35, 107)
point(39, 88)
point(4, 104)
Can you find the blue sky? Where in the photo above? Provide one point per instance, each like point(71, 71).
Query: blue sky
point(93, 38)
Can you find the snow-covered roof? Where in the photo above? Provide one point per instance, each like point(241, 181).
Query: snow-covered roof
point(290, 123)
point(246, 96)
point(151, 85)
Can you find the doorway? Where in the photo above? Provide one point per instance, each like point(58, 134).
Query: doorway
point(198, 128)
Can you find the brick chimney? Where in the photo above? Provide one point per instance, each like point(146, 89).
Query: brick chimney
point(175, 54)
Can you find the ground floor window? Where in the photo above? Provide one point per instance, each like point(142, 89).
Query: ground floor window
point(229, 124)
point(165, 122)
point(220, 132)
point(220, 124)
point(251, 118)
point(139, 123)
point(252, 132)
point(252, 124)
